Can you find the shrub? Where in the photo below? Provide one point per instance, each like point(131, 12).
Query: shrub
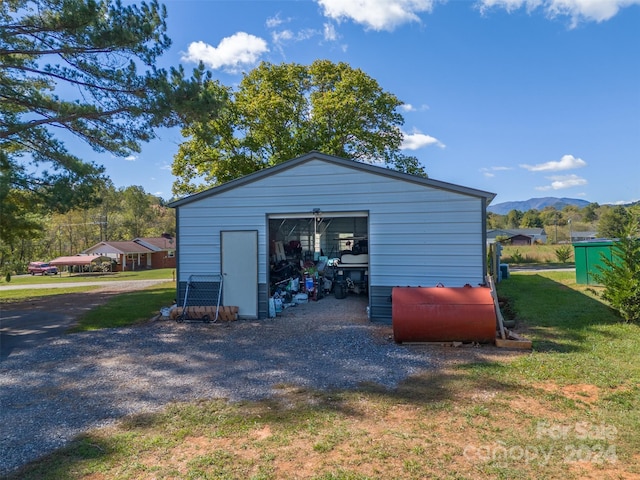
point(516, 257)
point(563, 253)
point(621, 275)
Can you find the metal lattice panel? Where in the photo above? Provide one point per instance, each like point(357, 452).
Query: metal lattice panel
point(201, 290)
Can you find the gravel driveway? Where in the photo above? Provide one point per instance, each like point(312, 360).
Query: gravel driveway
point(55, 391)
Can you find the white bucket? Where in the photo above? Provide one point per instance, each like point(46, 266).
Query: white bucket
point(301, 298)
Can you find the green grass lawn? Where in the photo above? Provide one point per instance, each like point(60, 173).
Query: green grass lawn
point(129, 308)
point(570, 408)
point(155, 274)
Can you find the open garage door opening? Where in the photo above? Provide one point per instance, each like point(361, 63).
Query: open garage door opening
point(317, 254)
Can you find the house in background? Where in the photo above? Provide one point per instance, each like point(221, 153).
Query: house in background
point(583, 236)
point(517, 236)
point(416, 231)
point(139, 253)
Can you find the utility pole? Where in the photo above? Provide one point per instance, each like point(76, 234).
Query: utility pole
point(570, 232)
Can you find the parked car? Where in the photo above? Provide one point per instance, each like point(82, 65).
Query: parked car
point(42, 268)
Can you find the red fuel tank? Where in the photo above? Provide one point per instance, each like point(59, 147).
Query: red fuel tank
point(443, 314)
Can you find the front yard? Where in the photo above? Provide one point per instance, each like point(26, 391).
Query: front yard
point(568, 409)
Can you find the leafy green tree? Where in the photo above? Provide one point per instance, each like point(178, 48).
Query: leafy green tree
point(570, 211)
point(14, 205)
point(590, 212)
point(282, 111)
point(514, 217)
point(621, 274)
point(87, 67)
point(613, 222)
point(549, 215)
point(495, 220)
point(531, 219)
point(136, 210)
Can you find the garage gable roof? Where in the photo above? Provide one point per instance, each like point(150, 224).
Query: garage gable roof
point(314, 155)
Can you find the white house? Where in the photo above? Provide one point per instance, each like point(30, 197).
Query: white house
point(417, 231)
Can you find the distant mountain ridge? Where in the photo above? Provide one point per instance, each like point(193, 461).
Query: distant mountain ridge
point(537, 204)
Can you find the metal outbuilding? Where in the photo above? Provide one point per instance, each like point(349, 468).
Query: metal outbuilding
point(416, 231)
point(589, 257)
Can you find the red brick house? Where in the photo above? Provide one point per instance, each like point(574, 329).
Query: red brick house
point(139, 253)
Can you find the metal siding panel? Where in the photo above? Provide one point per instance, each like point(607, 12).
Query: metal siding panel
point(438, 229)
point(380, 308)
point(263, 301)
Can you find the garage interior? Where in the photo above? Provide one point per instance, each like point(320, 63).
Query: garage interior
point(315, 255)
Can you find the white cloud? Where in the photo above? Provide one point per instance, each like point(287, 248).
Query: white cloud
point(560, 182)
point(285, 36)
point(623, 202)
point(330, 33)
point(282, 36)
point(273, 22)
point(577, 10)
point(407, 107)
point(231, 54)
point(376, 14)
point(488, 172)
point(415, 141)
point(131, 158)
point(567, 162)
point(306, 34)
point(501, 168)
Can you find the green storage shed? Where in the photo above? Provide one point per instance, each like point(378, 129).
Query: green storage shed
point(589, 256)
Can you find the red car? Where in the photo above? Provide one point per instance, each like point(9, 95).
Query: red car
point(42, 268)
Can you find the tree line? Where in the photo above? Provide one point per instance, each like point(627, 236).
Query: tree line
point(122, 214)
point(608, 221)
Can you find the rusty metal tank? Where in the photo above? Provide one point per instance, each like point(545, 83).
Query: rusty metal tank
point(443, 314)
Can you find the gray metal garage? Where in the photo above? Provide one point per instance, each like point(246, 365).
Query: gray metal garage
point(402, 230)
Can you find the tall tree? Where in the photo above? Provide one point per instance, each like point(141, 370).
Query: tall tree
point(137, 211)
point(590, 213)
point(531, 219)
point(87, 67)
point(613, 222)
point(282, 111)
point(621, 274)
point(549, 216)
point(495, 220)
point(514, 217)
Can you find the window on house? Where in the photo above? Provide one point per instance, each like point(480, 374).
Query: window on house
point(170, 253)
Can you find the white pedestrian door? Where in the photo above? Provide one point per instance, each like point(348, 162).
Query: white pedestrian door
point(240, 271)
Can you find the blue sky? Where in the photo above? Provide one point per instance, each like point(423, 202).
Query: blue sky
point(523, 98)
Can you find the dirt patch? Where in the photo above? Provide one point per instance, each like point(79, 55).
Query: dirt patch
point(581, 392)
